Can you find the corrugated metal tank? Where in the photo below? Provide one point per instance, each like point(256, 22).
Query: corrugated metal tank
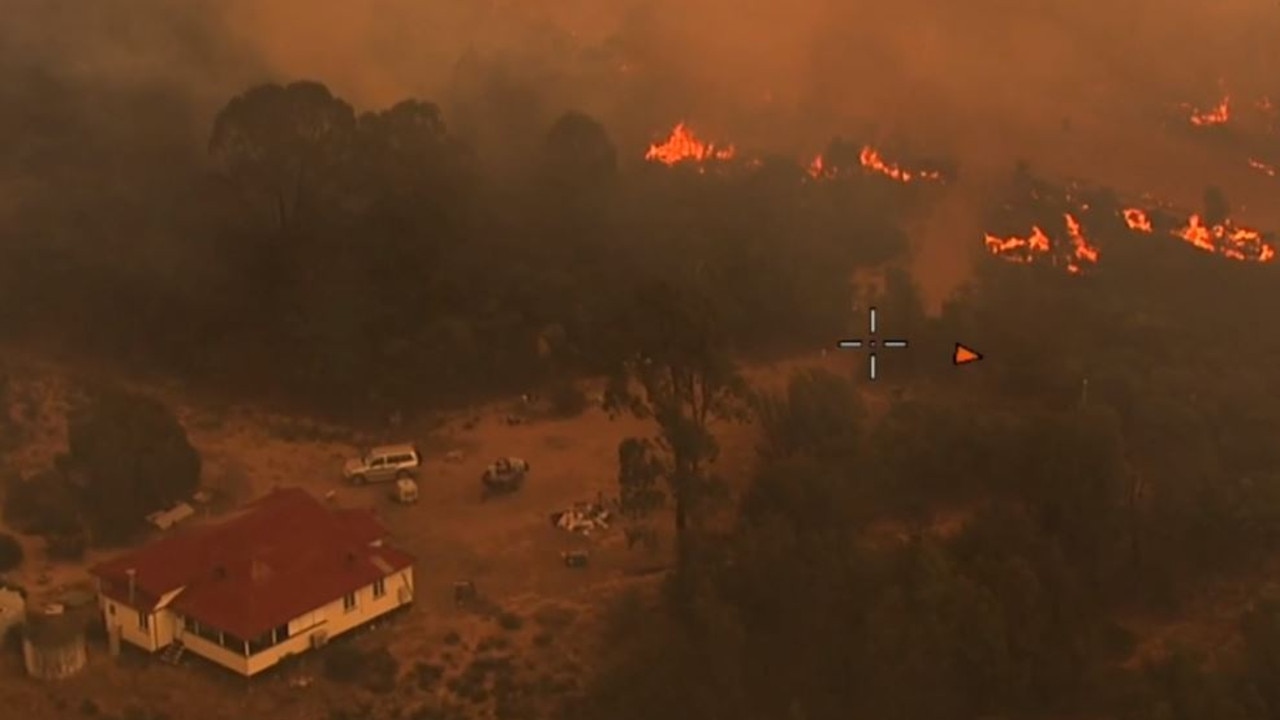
point(53, 642)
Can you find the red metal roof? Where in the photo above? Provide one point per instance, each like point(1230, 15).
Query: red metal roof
point(273, 561)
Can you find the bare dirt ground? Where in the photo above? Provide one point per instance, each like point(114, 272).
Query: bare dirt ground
point(542, 615)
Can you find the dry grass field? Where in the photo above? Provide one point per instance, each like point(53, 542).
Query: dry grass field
point(537, 620)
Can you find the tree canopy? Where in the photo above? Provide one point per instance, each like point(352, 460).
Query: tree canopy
point(129, 456)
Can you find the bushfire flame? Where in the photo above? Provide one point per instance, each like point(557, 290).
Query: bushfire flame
point(871, 159)
point(1223, 112)
point(683, 145)
point(1226, 239)
point(1137, 220)
point(818, 168)
point(873, 162)
point(1026, 249)
point(1219, 114)
point(1020, 249)
point(1264, 168)
point(1081, 250)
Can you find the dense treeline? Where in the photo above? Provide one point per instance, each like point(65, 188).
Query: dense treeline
point(1116, 459)
point(372, 262)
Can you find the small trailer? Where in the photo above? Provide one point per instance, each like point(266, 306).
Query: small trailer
point(503, 477)
point(405, 491)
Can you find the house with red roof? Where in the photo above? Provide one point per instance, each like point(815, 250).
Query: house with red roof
point(279, 577)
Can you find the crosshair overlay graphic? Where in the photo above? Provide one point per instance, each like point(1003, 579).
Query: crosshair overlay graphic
point(872, 344)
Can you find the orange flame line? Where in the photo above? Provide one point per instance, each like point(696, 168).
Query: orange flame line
point(1025, 249)
point(1225, 239)
point(1262, 167)
point(1137, 220)
point(683, 145)
point(871, 159)
point(1217, 115)
point(1082, 250)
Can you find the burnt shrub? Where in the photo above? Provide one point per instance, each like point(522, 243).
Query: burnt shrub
point(380, 671)
point(11, 554)
point(343, 663)
point(566, 399)
point(40, 505)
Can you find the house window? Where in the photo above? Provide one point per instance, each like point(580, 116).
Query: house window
point(260, 643)
point(379, 587)
point(349, 602)
point(144, 620)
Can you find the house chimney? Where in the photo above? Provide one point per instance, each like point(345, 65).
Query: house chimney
point(259, 570)
point(133, 583)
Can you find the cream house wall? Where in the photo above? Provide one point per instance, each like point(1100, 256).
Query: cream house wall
point(330, 620)
point(125, 620)
point(334, 619)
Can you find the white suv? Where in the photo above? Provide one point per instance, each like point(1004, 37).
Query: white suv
point(384, 464)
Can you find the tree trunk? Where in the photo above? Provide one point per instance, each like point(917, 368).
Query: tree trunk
point(282, 213)
point(1136, 487)
point(680, 492)
point(682, 513)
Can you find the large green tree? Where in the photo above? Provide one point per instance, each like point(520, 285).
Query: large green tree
point(680, 374)
point(129, 457)
point(283, 148)
point(579, 154)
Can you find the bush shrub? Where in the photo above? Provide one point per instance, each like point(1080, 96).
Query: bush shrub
point(343, 663)
point(380, 671)
point(567, 399)
point(11, 554)
point(40, 504)
point(66, 546)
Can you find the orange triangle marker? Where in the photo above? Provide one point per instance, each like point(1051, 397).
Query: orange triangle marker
point(965, 355)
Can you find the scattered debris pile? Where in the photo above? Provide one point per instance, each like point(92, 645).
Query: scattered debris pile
point(582, 518)
point(464, 593)
point(575, 559)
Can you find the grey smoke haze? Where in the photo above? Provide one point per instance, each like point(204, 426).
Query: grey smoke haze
point(816, 62)
point(987, 81)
